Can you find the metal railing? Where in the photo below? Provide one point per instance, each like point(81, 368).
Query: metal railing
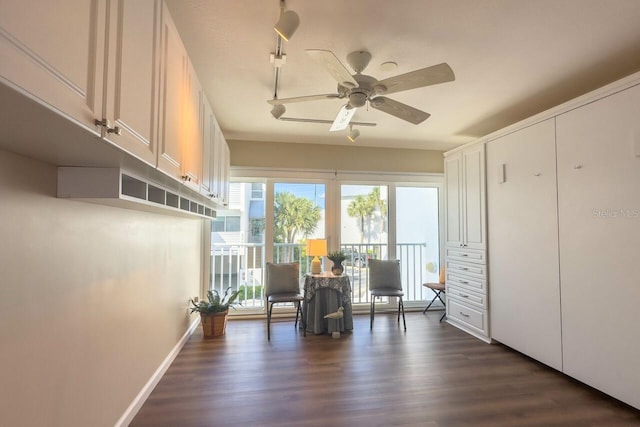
point(241, 267)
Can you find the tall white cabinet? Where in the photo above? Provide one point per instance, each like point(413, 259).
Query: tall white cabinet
point(523, 240)
point(465, 225)
point(599, 213)
point(564, 226)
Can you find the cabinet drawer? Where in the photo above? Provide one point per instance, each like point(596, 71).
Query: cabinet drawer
point(478, 271)
point(469, 317)
point(467, 255)
point(467, 297)
point(471, 283)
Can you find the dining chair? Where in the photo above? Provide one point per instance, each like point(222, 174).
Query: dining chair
point(384, 281)
point(283, 285)
point(438, 289)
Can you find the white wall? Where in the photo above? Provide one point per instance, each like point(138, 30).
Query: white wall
point(92, 299)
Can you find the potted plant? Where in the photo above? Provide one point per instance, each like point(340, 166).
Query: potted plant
point(213, 313)
point(337, 257)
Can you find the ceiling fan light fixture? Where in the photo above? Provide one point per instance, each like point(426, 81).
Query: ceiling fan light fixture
point(278, 110)
point(287, 24)
point(353, 135)
point(357, 99)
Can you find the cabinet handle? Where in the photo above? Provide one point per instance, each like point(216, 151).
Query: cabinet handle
point(116, 130)
point(577, 167)
point(464, 282)
point(463, 314)
point(107, 125)
point(537, 174)
point(464, 268)
point(186, 178)
point(463, 295)
point(465, 254)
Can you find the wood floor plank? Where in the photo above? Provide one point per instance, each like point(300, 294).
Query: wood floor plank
point(432, 375)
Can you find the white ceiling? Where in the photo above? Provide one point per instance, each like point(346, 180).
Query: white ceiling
point(511, 58)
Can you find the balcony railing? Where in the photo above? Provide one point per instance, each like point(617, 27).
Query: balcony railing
point(241, 266)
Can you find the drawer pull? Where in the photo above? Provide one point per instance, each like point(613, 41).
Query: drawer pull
point(463, 295)
point(463, 314)
point(464, 268)
point(464, 282)
point(465, 254)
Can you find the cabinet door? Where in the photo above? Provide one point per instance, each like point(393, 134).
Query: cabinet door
point(599, 214)
point(208, 151)
point(192, 135)
point(523, 241)
point(224, 164)
point(473, 197)
point(132, 78)
point(54, 51)
point(172, 98)
point(453, 199)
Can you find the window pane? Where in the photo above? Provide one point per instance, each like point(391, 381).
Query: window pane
point(217, 224)
point(233, 223)
point(417, 239)
point(237, 252)
point(299, 213)
point(364, 233)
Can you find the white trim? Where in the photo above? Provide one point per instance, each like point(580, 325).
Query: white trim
point(139, 400)
point(324, 174)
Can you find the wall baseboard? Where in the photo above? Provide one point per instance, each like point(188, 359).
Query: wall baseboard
point(137, 403)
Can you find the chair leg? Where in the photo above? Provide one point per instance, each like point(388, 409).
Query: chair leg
point(443, 315)
point(302, 319)
point(432, 301)
point(269, 308)
point(297, 311)
point(372, 312)
point(403, 319)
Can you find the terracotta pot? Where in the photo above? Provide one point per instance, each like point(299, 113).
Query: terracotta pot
point(214, 325)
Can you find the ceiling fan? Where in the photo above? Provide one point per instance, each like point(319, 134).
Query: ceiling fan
point(358, 89)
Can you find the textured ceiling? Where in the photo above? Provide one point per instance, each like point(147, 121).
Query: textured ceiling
point(511, 58)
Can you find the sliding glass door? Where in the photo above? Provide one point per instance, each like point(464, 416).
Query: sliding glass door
point(272, 218)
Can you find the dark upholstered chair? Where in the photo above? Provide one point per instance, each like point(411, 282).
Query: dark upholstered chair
point(439, 289)
point(283, 285)
point(384, 281)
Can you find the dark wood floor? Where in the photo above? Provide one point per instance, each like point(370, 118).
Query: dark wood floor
point(432, 375)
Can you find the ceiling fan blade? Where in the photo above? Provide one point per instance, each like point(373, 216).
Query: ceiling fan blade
point(436, 74)
point(302, 99)
point(343, 118)
point(399, 110)
point(332, 64)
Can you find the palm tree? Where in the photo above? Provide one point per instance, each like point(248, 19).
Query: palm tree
point(294, 216)
point(362, 209)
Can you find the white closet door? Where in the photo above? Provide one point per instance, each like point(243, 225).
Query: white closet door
point(599, 207)
point(523, 242)
point(453, 200)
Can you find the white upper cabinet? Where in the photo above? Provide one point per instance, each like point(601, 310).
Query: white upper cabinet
point(465, 198)
point(215, 160)
point(54, 51)
point(223, 169)
point(133, 76)
point(119, 69)
point(209, 155)
point(192, 132)
point(173, 90)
